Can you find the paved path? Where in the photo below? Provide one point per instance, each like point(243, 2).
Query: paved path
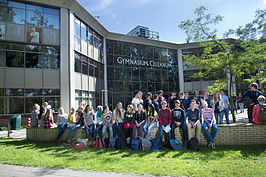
point(22, 171)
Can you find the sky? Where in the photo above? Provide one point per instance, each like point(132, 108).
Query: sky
point(164, 16)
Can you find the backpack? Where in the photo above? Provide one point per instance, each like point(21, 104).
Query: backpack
point(100, 143)
point(175, 145)
point(156, 143)
point(106, 142)
point(136, 144)
point(145, 144)
point(194, 143)
point(121, 143)
point(112, 142)
point(262, 113)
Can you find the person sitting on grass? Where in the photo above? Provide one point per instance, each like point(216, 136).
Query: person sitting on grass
point(34, 116)
point(256, 109)
point(139, 117)
point(209, 122)
point(48, 120)
point(129, 121)
point(71, 118)
point(165, 118)
point(79, 124)
point(193, 115)
point(61, 124)
point(178, 120)
point(152, 120)
point(88, 120)
point(108, 120)
point(99, 121)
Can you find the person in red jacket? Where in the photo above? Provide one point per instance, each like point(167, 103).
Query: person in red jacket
point(256, 109)
point(165, 118)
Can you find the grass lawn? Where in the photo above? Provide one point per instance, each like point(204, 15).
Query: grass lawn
point(224, 161)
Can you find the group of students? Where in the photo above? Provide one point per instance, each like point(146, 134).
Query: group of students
point(184, 112)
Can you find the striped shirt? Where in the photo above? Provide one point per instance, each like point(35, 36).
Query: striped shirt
point(207, 113)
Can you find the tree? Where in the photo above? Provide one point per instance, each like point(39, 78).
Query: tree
point(224, 58)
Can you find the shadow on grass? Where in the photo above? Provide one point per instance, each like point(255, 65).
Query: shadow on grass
point(204, 154)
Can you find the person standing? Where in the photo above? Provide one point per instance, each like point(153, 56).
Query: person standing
point(178, 120)
point(156, 103)
point(226, 106)
point(34, 116)
point(206, 98)
point(209, 122)
point(118, 116)
point(161, 98)
point(250, 98)
point(186, 102)
point(171, 100)
point(240, 102)
point(234, 102)
point(199, 97)
point(135, 101)
point(193, 115)
point(218, 108)
point(147, 101)
point(165, 118)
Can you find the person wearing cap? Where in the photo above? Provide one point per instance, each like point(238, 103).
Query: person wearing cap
point(256, 109)
point(250, 97)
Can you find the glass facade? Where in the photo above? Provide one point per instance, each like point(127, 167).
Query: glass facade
point(29, 38)
point(87, 41)
point(93, 98)
point(132, 66)
point(20, 100)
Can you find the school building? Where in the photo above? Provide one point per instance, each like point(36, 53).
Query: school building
point(56, 51)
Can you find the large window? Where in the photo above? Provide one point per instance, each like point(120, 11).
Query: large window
point(29, 56)
point(87, 41)
point(29, 23)
point(88, 66)
point(19, 100)
point(86, 97)
point(158, 71)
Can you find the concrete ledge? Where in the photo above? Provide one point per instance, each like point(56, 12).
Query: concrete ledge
point(232, 134)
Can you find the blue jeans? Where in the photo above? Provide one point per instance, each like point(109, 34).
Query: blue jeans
point(119, 127)
point(161, 132)
point(226, 113)
point(212, 136)
point(154, 124)
point(96, 130)
point(219, 117)
point(72, 131)
point(90, 130)
point(61, 130)
point(105, 129)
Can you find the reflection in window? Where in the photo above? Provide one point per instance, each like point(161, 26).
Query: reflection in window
point(30, 101)
point(83, 32)
point(14, 59)
point(2, 58)
point(14, 105)
point(16, 15)
point(14, 92)
point(54, 102)
point(51, 91)
point(51, 21)
point(77, 65)
point(77, 27)
point(1, 105)
point(77, 44)
point(51, 61)
point(3, 13)
point(32, 60)
point(84, 68)
point(16, 4)
point(33, 92)
point(35, 17)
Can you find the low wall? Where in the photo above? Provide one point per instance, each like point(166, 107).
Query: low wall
point(233, 134)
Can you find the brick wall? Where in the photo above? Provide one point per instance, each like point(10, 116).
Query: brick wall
point(233, 134)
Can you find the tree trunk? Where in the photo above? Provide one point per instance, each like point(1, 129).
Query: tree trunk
point(231, 99)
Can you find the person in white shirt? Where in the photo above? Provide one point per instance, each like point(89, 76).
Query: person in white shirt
point(135, 101)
